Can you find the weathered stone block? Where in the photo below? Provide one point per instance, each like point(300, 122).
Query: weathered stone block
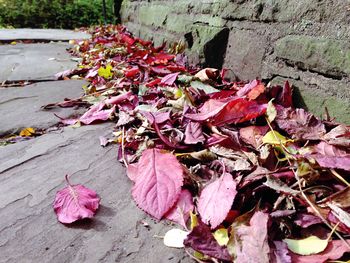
point(154, 15)
point(209, 44)
point(244, 55)
point(327, 56)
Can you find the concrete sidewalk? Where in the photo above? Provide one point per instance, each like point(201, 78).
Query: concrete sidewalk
point(31, 172)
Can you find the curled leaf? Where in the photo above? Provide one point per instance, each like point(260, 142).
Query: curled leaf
point(307, 246)
point(26, 132)
point(75, 202)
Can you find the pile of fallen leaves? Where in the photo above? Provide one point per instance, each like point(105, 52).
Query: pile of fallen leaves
point(247, 177)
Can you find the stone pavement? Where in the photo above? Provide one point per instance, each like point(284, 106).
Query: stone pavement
point(31, 172)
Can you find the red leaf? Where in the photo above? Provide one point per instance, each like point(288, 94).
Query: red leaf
point(216, 200)
point(239, 110)
point(194, 133)
point(180, 213)
point(169, 79)
point(158, 182)
point(286, 99)
point(250, 87)
point(256, 92)
point(254, 246)
point(75, 202)
point(202, 240)
point(131, 73)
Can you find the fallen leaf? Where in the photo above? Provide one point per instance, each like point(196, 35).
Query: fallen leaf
point(300, 124)
point(169, 79)
point(330, 156)
point(194, 133)
point(239, 110)
point(221, 236)
point(202, 240)
point(281, 253)
point(216, 199)
point(175, 238)
point(252, 245)
point(275, 138)
point(271, 111)
point(27, 132)
point(307, 246)
point(158, 182)
point(75, 202)
point(105, 72)
point(202, 86)
point(334, 250)
point(180, 213)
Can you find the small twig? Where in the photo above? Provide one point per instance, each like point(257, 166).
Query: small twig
point(302, 192)
point(123, 149)
point(339, 177)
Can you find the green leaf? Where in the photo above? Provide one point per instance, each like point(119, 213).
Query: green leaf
point(205, 87)
point(274, 137)
point(105, 72)
point(271, 111)
point(307, 246)
point(221, 235)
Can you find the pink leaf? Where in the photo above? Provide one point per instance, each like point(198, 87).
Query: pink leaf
point(96, 113)
point(300, 124)
point(75, 202)
point(117, 99)
point(209, 109)
point(180, 213)
point(158, 182)
point(330, 156)
point(216, 200)
point(194, 133)
point(254, 246)
point(169, 79)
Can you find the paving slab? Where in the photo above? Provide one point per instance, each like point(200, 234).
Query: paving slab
point(41, 34)
point(20, 107)
point(33, 171)
point(34, 61)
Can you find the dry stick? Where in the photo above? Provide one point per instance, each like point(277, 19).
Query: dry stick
point(302, 192)
point(340, 178)
point(123, 152)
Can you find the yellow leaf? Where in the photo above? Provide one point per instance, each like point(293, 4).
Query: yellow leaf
point(105, 72)
point(271, 111)
point(199, 255)
point(273, 137)
point(27, 132)
point(13, 43)
point(221, 235)
point(194, 220)
point(307, 246)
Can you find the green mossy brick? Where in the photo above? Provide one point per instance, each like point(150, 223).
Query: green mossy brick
point(323, 55)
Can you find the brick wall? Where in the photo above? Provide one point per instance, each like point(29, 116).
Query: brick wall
point(304, 41)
